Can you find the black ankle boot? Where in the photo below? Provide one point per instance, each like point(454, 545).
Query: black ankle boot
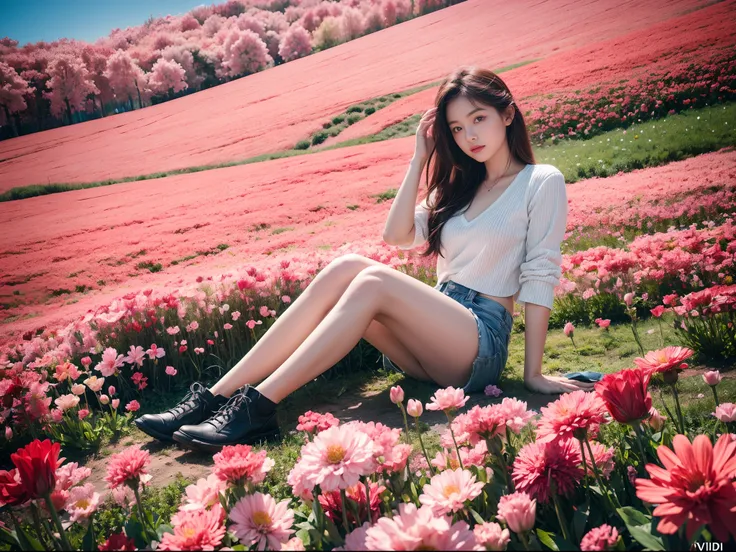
point(198, 405)
point(247, 418)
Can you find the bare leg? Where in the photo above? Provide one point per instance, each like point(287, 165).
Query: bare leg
point(294, 326)
point(331, 340)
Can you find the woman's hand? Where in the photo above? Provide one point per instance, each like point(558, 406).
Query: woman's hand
point(424, 140)
point(556, 384)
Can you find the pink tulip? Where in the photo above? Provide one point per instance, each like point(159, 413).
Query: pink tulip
point(712, 377)
point(115, 403)
point(569, 329)
point(396, 394)
point(629, 299)
point(726, 412)
point(414, 408)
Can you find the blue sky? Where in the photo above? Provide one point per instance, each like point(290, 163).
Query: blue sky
point(88, 20)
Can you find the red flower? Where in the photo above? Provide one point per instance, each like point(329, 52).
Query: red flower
point(625, 394)
point(695, 487)
point(538, 464)
point(37, 463)
point(12, 491)
point(118, 541)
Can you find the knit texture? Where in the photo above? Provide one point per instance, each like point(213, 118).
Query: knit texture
point(513, 247)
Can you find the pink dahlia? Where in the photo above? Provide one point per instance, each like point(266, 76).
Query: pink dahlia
point(491, 536)
point(203, 494)
point(574, 414)
point(355, 540)
point(195, 530)
point(447, 400)
point(449, 490)
point(127, 467)
point(603, 457)
point(538, 464)
point(518, 510)
point(239, 465)
point(82, 502)
point(259, 519)
point(314, 421)
point(516, 414)
point(419, 529)
point(695, 487)
point(604, 537)
point(336, 458)
point(668, 360)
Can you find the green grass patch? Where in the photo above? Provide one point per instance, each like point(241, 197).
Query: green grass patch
point(150, 266)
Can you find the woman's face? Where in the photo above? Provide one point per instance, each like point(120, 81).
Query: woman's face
point(480, 125)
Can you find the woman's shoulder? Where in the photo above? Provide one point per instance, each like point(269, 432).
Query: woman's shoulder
point(541, 171)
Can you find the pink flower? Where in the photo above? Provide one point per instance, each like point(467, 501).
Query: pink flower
point(195, 530)
point(492, 391)
point(86, 361)
point(127, 467)
point(296, 544)
point(204, 493)
point(712, 377)
point(539, 464)
point(94, 383)
point(57, 415)
point(170, 371)
point(574, 414)
point(65, 402)
point(695, 488)
point(111, 390)
point(336, 458)
point(238, 465)
point(8, 433)
point(656, 420)
point(656, 313)
point(355, 540)
point(78, 389)
point(132, 406)
point(414, 408)
point(311, 421)
point(518, 511)
point(155, 352)
point(419, 529)
point(82, 502)
point(604, 537)
point(173, 330)
point(629, 299)
point(447, 400)
point(492, 536)
point(665, 360)
point(569, 329)
point(397, 394)
point(603, 457)
point(603, 323)
point(227, 326)
point(115, 403)
point(449, 490)
point(726, 412)
point(258, 519)
point(110, 362)
point(136, 355)
point(83, 413)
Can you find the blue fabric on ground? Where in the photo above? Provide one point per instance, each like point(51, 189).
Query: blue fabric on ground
point(586, 376)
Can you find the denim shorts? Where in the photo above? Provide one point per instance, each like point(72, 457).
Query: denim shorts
point(494, 334)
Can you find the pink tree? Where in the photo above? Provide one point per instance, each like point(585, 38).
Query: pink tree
point(182, 54)
point(12, 90)
point(244, 53)
point(296, 43)
point(352, 22)
point(125, 76)
point(69, 85)
point(167, 77)
point(95, 59)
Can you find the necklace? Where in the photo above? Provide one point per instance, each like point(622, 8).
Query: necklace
point(496, 182)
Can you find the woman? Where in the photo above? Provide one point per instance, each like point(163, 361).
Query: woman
point(496, 221)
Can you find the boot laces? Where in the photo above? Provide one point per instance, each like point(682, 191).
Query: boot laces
point(195, 393)
point(228, 410)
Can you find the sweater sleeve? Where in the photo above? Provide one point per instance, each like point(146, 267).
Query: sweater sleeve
point(541, 269)
point(421, 221)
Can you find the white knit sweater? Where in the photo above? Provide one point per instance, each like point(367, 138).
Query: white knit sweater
point(513, 247)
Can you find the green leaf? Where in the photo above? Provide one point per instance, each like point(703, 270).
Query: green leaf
point(546, 539)
point(88, 542)
point(633, 517)
point(27, 542)
point(476, 516)
point(580, 520)
point(8, 537)
point(303, 534)
point(643, 535)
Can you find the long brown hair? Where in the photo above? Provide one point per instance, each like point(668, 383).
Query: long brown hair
point(456, 176)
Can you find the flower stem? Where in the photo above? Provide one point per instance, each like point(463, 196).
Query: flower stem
point(459, 459)
point(599, 480)
point(406, 422)
point(64, 542)
point(715, 395)
point(42, 529)
point(344, 509)
point(424, 450)
point(637, 432)
point(667, 409)
point(560, 515)
point(678, 408)
point(524, 540)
